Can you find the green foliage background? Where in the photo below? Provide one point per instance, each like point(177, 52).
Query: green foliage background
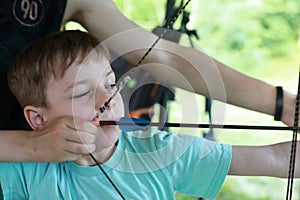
point(256, 37)
point(243, 34)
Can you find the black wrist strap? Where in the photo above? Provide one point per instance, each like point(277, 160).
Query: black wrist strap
point(279, 103)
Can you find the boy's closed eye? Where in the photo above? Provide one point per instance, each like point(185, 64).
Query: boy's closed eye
point(110, 88)
point(82, 94)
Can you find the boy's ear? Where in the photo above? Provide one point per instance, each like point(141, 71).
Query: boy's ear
point(34, 116)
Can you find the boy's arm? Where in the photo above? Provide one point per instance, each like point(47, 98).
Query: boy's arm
point(270, 160)
point(59, 141)
point(103, 19)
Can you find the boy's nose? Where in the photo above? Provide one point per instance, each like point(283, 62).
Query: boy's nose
point(101, 98)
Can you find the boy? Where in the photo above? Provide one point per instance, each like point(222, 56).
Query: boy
point(68, 74)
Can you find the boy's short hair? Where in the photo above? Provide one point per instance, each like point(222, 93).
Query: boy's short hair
point(48, 57)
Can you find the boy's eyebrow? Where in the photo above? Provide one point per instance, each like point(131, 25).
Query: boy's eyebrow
point(84, 81)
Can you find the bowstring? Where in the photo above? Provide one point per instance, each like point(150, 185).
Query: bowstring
point(106, 175)
point(289, 192)
point(102, 109)
point(163, 32)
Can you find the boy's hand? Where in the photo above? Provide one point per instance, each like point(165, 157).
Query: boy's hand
point(65, 139)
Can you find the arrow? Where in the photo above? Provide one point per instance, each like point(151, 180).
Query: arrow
point(133, 124)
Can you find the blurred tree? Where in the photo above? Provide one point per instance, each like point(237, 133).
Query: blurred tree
point(280, 23)
point(245, 33)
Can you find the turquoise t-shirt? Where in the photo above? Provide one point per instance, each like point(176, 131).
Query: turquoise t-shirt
point(146, 165)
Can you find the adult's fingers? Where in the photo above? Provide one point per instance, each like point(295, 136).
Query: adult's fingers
point(80, 137)
point(79, 149)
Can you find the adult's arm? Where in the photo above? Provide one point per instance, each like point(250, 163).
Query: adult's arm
point(103, 19)
point(60, 141)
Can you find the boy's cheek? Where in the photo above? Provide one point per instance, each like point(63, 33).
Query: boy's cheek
point(84, 112)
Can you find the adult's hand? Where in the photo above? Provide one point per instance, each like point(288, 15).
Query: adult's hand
point(65, 139)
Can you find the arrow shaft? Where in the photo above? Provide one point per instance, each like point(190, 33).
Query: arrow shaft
point(191, 125)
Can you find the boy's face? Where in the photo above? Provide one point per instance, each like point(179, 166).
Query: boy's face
point(81, 92)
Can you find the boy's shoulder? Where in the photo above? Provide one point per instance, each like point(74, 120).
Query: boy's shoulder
point(26, 168)
point(26, 176)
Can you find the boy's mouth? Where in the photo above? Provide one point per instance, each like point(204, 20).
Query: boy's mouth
point(96, 122)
